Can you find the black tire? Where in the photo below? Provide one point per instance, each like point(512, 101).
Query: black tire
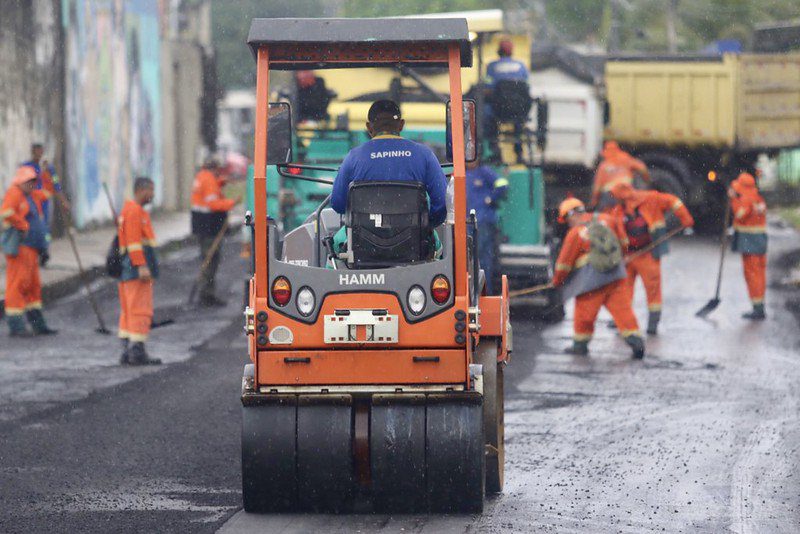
point(493, 414)
point(325, 474)
point(455, 465)
point(666, 182)
point(269, 482)
point(397, 453)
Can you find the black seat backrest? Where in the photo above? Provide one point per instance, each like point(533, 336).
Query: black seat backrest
point(387, 224)
point(511, 100)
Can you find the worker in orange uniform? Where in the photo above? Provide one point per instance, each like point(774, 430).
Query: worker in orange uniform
point(590, 267)
point(644, 213)
point(209, 212)
point(617, 166)
point(139, 269)
point(750, 239)
point(24, 238)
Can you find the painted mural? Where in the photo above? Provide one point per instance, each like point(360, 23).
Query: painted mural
point(113, 100)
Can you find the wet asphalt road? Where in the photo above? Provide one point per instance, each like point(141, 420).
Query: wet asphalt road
point(702, 436)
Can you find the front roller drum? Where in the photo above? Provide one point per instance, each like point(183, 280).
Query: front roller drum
point(455, 463)
point(397, 453)
point(325, 472)
point(269, 482)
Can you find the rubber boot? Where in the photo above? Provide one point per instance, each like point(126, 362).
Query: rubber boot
point(16, 326)
point(758, 313)
point(38, 324)
point(652, 322)
point(636, 343)
point(125, 358)
point(138, 356)
point(578, 348)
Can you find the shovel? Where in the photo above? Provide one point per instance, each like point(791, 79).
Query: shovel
point(712, 304)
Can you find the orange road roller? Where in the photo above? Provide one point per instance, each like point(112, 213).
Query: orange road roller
point(377, 371)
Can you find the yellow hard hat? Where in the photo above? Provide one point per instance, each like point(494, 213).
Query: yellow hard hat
point(566, 206)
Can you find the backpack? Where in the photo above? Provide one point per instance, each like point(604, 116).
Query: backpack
point(605, 251)
point(114, 259)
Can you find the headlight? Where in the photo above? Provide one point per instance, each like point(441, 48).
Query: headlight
point(416, 300)
point(305, 301)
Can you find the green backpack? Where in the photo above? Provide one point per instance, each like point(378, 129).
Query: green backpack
point(605, 251)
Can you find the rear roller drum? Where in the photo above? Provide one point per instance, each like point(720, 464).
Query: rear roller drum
point(493, 413)
point(455, 462)
point(268, 455)
point(397, 453)
point(325, 453)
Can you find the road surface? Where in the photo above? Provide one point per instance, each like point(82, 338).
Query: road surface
point(702, 436)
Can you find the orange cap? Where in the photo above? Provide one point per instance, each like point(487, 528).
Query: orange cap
point(566, 206)
point(746, 180)
point(505, 47)
point(26, 173)
point(622, 190)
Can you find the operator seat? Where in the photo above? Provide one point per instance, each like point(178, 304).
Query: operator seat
point(387, 224)
point(511, 100)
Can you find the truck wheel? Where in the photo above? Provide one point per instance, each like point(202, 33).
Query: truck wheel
point(493, 414)
point(666, 182)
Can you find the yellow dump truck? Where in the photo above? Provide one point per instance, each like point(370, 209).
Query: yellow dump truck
point(698, 122)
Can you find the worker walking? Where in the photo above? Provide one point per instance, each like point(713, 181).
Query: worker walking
point(24, 239)
point(617, 166)
point(209, 213)
point(750, 239)
point(644, 217)
point(590, 267)
point(484, 191)
point(137, 242)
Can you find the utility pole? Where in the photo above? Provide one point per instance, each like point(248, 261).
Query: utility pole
point(672, 33)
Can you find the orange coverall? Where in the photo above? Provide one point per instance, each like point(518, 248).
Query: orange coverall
point(617, 166)
point(207, 196)
point(136, 235)
point(750, 220)
point(23, 285)
point(614, 296)
point(653, 206)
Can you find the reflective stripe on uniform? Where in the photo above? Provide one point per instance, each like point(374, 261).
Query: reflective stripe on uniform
point(677, 204)
point(201, 209)
point(137, 338)
point(582, 337)
point(563, 267)
point(582, 260)
point(628, 333)
point(11, 312)
point(654, 307)
point(750, 229)
point(6, 213)
point(501, 182)
point(36, 305)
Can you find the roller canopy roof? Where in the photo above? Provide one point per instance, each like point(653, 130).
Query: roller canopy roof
point(396, 33)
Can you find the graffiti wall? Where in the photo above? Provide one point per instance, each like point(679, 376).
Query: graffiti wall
point(31, 83)
point(113, 101)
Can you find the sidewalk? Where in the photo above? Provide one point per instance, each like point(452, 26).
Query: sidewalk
point(61, 276)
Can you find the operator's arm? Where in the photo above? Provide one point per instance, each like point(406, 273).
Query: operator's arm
point(570, 251)
point(672, 203)
point(639, 166)
point(599, 175)
point(341, 184)
point(436, 185)
point(8, 211)
point(617, 224)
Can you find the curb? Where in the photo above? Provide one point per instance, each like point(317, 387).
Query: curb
point(72, 283)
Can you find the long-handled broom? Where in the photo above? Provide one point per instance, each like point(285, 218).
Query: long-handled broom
point(712, 304)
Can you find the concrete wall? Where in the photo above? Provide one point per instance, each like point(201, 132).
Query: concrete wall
point(31, 83)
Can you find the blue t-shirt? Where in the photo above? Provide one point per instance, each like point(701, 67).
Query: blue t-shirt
point(390, 158)
point(506, 68)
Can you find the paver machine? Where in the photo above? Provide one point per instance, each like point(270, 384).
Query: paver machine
point(377, 374)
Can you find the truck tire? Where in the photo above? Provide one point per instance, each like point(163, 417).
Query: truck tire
point(666, 182)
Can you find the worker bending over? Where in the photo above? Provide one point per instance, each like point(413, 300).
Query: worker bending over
point(137, 242)
point(617, 166)
point(209, 212)
point(644, 217)
point(590, 267)
point(389, 157)
point(24, 239)
point(750, 239)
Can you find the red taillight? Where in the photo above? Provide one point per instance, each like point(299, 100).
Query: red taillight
point(440, 289)
point(295, 170)
point(281, 291)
